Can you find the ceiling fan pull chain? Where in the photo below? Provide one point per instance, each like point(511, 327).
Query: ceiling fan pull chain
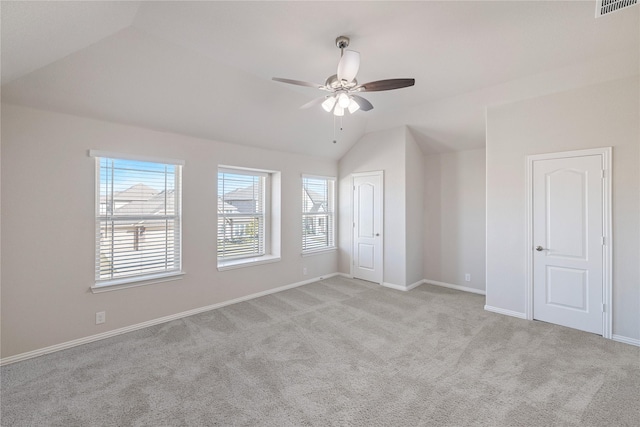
point(334, 129)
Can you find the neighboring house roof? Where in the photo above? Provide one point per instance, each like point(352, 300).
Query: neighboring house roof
point(245, 200)
point(225, 207)
point(154, 205)
point(247, 193)
point(137, 191)
point(318, 201)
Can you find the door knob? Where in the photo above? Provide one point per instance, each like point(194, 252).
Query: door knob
point(377, 234)
point(539, 248)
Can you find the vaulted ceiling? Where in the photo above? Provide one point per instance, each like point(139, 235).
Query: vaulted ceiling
point(205, 68)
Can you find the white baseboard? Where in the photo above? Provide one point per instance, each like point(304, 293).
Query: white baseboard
point(505, 312)
point(626, 340)
point(456, 287)
point(393, 286)
point(415, 285)
point(402, 287)
point(131, 328)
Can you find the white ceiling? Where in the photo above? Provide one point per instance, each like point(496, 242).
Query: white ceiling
point(205, 68)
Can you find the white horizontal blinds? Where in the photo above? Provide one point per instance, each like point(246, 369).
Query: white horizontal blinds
point(138, 218)
point(241, 214)
point(318, 220)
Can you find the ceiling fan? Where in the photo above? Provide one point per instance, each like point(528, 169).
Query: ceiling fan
point(343, 86)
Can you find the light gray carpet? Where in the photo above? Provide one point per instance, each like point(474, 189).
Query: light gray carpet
point(335, 352)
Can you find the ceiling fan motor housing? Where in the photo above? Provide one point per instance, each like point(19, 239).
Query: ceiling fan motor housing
point(332, 82)
point(342, 42)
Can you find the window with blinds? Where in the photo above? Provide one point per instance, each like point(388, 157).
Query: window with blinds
point(138, 220)
point(242, 218)
point(318, 213)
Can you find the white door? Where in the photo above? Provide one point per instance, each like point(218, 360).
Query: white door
point(568, 242)
point(367, 226)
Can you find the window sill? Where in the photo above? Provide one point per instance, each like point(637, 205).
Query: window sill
point(134, 282)
point(247, 262)
point(318, 251)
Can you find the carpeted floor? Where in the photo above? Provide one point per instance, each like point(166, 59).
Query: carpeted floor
point(335, 352)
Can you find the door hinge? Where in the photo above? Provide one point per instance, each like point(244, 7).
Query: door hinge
point(604, 308)
point(354, 225)
point(602, 175)
point(603, 241)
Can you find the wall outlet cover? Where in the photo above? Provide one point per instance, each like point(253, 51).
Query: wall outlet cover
point(101, 317)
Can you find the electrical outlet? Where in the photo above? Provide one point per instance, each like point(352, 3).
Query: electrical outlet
point(467, 277)
point(304, 271)
point(101, 317)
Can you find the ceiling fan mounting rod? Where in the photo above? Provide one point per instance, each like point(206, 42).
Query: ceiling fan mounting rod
point(342, 42)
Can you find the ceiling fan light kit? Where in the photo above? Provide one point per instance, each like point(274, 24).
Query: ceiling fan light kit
point(343, 85)
point(329, 103)
point(344, 100)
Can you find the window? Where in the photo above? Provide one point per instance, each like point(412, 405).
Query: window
point(318, 215)
point(245, 231)
point(138, 219)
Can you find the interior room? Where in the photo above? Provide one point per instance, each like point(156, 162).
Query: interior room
point(320, 213)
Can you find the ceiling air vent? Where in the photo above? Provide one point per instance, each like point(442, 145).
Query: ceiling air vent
point(605, 7)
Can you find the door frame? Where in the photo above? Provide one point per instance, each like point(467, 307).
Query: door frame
point(352, 187)
point(607, 253)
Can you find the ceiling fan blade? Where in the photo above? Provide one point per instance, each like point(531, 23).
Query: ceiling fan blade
point(363, 103)
point(385, 85)
point(314, 102)
point(348, 65)
point(299, 83)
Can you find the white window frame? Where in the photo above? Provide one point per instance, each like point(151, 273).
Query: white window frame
point(102, 285)
point(271, 220)
point(331, 215)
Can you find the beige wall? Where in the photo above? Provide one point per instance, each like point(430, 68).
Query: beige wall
point(376, 151)
point(414, 174)
point(454, 218)
point(388, 151)
point(48, 227)
point(432, 217)
point(600, 115)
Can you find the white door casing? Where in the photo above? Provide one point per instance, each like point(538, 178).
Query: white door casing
point(570, 240)
point(368, 226)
